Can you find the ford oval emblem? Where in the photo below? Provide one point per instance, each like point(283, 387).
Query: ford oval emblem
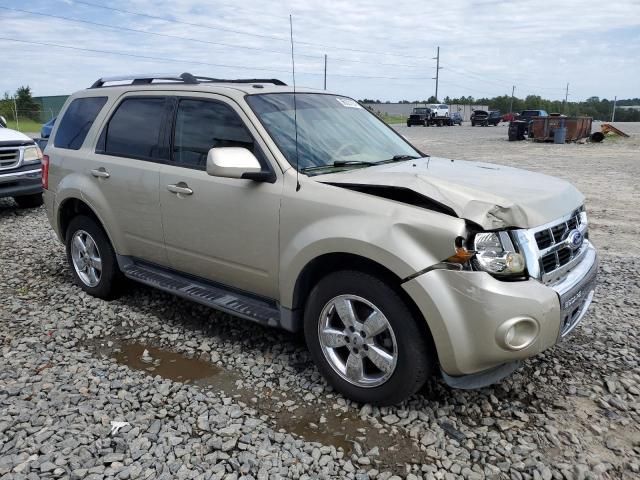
point(575, 239)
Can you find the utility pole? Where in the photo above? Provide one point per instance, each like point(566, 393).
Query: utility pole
point(566, 97)
point(613, 114)
point(438, 68)
point(513, 89)
point(325, 71)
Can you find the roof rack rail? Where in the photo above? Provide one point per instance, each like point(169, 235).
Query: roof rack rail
point(187, 78)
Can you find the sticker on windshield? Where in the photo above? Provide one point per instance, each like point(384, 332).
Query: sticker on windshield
point(347, 102)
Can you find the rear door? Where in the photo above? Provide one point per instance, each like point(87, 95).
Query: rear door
point(126, 173)
point(226, 230)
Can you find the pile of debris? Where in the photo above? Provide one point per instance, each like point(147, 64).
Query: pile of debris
point(606, 129)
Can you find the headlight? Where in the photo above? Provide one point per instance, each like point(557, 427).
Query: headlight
point(32, 155)
point(495, 254)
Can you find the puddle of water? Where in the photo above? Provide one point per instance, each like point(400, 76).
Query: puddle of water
point(339, 431)
point(167, 364)
point(314, 423)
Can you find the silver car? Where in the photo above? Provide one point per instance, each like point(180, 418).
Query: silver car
point(302, 210)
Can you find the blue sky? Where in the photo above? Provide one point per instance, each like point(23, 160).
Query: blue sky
point(376, 49)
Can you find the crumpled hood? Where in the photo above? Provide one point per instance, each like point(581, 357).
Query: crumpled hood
point(8, 135)
point(493, 196)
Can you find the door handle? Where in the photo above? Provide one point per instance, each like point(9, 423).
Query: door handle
point(100, 173)
point(180, 188)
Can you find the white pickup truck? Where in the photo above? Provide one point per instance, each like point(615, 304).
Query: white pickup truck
point(20, 168)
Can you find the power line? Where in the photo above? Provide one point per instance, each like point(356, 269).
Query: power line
point(197, 62)
point(156, 17)
point(483, 78)
point(270, 37)
point(177, 37)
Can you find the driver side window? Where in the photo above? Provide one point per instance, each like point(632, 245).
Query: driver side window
point(202, 125)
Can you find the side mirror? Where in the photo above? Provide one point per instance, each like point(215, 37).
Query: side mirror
point(235, 162)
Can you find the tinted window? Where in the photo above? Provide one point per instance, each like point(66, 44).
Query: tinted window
point(77, 121)
point(134, 130)
point(202, 125)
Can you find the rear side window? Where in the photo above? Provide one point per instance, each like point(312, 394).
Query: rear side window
point(135, 129)
point(77, 121)
point(202, 125)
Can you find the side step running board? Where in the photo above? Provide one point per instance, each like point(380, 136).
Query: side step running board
point(212, 295)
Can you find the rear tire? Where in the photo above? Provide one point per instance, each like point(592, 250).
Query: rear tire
point(29, 201)
point(92, 260)
point(385, 357)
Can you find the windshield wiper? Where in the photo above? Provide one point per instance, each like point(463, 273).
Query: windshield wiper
point(339, 163)
point(358, 163)
point(399, 158)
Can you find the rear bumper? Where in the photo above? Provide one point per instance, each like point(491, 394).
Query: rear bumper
point(470, 315)
point(26, 180)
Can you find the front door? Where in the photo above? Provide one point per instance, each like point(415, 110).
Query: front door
point(220, 229)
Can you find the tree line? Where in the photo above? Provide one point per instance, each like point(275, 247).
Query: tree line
point(599, 109)
point(23, 102)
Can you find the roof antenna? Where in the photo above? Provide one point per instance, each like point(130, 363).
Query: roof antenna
point(295, 107)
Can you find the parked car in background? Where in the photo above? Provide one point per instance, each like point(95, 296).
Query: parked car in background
point(42, 143)
point(508, 117)
point(455, 119)
point(45, 131)
point(485, 118)
point(20, 168)
point(419, 116)
point(395, 265)
point(439, 114)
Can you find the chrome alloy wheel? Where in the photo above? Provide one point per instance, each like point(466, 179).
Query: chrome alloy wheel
point(357, 340)
point(86, 258)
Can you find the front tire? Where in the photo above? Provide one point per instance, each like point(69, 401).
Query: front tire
point(92, 259)
point(365, 340)
point(29, 201)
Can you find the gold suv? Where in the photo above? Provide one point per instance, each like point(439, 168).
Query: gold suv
point(302, 210)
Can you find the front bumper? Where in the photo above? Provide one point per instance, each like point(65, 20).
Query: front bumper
point(470, 313)
point(26, 180)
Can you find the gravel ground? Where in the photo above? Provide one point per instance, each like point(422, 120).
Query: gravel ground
point(205, 395)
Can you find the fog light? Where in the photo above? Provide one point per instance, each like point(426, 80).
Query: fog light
point(517, 333)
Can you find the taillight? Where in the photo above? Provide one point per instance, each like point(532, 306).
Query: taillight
point(45, 172)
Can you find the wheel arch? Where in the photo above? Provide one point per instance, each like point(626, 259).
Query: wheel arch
point(70, 208)
point(323, 265)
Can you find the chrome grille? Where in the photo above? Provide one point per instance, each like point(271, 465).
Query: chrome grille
point(9, 157)
point(549, 254)
point(556, 235)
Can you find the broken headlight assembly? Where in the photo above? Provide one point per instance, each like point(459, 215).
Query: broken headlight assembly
point(496, 254)
point(493, 252)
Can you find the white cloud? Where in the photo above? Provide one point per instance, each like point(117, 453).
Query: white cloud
point(486, 46)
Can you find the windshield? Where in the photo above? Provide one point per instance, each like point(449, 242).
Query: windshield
point(330, 129)
point(421, 110)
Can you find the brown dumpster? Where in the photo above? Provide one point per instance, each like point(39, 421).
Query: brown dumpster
point(542, 128)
